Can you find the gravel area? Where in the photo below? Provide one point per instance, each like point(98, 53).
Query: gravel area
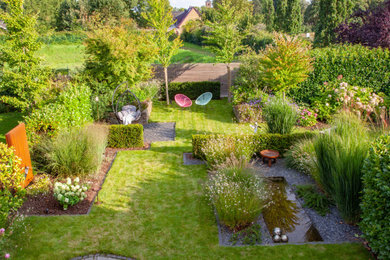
point(331, 226)
point(156, 132)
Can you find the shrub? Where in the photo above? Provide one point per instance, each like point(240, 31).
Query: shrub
point(126, 136)
point(307, 117)
point(72, 108)
point(249, 112)
point(193, 89)
point(237, 195)
point(301, 157)
point(76, 152)
point(339, 159)
point(280, 115)
point(69, 194)
point(360, 66)
point(117, 54)
point(217, 151)
point(258, 142)
point(369, 28)
point(40, 186)
point(313, 199)
point(285, 64)
point(146, 90)
point(375, 204)
point(11, 180)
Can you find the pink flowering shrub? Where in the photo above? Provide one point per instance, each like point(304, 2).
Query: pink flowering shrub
point(307, 117)
point(362, 101)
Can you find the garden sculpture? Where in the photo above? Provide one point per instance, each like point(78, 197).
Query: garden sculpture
point(129, 104)
point(183, 101)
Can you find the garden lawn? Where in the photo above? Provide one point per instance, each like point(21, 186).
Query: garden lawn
point(7, 122)
point(153, 206)
point(71, 56)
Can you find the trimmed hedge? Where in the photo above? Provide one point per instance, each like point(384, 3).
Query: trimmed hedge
point(360, 66)
point(126, 136)
point(258, 142)
point(376, 198)
point(192, 89)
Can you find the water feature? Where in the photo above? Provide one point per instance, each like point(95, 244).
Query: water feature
point(287, 213)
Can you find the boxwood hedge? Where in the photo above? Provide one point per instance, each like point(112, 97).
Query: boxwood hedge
point(193, 89)
point(375, 204)
point(126, 136)
point(258, 142)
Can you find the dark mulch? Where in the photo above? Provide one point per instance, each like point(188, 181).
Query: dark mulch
point(48, 205)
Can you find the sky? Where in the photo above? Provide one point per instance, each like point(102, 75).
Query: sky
point(187, 3)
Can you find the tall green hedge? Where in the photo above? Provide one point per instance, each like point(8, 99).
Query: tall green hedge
point(193, 89)
point(126, 136)
point(258, 142)
point(376, 198)
point(360, 66)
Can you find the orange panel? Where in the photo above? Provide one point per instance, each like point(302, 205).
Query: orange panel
point(18, 139)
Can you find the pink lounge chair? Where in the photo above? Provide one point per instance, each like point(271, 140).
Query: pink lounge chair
point(183, 100)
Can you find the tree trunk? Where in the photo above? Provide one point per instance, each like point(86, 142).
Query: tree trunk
point(229, 82)
point(166, 83)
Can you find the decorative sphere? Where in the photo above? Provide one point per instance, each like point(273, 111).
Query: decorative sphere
point(276, 238)
point(277, 231)
point(284, 238)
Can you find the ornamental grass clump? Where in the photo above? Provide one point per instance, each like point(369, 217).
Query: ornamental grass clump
point(69, 194)
point(220, 148)
point(280, 115)
point(301, 157)
point(340, 154)
point(238, 196)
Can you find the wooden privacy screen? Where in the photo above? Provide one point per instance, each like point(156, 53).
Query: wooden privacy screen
point(17, 138)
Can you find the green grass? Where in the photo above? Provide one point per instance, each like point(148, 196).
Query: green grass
point(62, 56)
point(7, 122)
point(71, 56)
point(154, 208)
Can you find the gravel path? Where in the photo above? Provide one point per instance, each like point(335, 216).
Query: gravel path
point(156, 132)
point(331, 226)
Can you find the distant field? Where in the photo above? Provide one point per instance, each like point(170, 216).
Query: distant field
point(71, 56)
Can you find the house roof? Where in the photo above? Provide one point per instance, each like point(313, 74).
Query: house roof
point(182, 16)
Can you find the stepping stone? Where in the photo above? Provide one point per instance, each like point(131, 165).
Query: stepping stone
point(157, 132)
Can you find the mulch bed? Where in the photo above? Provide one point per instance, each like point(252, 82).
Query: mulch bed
point(48, 205)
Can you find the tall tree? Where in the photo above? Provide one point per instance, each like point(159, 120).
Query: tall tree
point(266, 9)
point(225, 38)
point(281, 15)
point(294, 17)
point(23, 80)
point(159, 17)
point(331, 14)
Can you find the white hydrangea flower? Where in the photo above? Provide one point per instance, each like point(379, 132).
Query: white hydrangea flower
point(66, 200)
point(77, 179)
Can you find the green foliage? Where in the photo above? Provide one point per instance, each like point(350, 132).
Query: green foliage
point(331, 14)
point(360, 66)
point(301, 157)
point(24, 81)
point(126, 136)
point(225, 38)
point(159, 17)
point(72, 153)
point(280, 115)
point(69, 194)
point(193, 89)
point(146, 90)
point(257, 38)
point(62, 38)
point(286, 63)
point(11, 180)
point(313, 199)
point(108, 10)
point(66, 16)
point(117, 54)
point(307, 117)
point(72, 108)
point(258, 142)
point(294, 17)
point(375, 204)
point(44, 11)
point(238, 196)
point(249, 236)
point(265, 9)
point(340, 155)
point(281, 15)
point(41, 185)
